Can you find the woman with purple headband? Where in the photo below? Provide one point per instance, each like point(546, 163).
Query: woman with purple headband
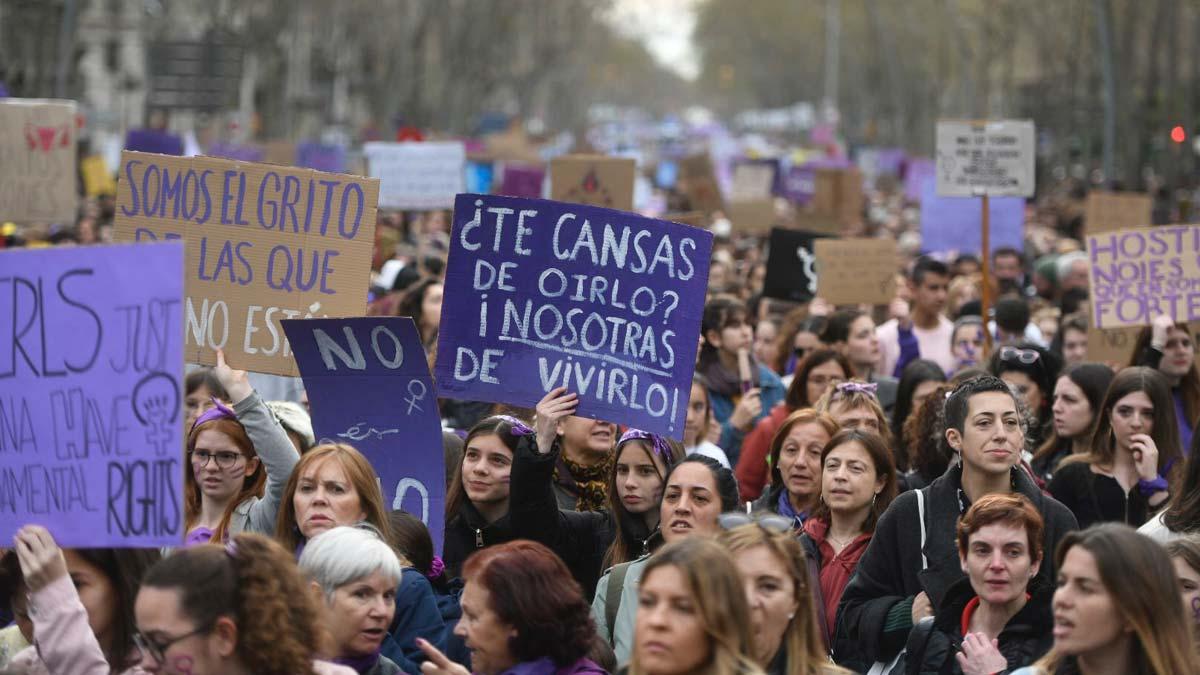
point(239, 461)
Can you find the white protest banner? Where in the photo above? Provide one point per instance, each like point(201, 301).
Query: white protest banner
point(418, 176)
point(37, 161)
point(1140, 273)
point(993, 158)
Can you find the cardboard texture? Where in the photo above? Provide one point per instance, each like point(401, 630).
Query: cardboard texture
point(993, 158)
point(753, 180)
point(691, 219)
point(264, 243)
point(1139, 273)
point(593, 179)
point(1108, 211)
point(857, 270)
point(513, 145)
point(698, 181)
point(1115, 345)
point(541, 294)
point(791, 265)
point(417, 176)
point(752, 215)
point(37, 161)
point(839, 193)
point(809, 221)
point(368, 385)
point(91, 394)
point(282, 153)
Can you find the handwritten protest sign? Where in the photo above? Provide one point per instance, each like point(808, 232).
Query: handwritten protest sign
point(593, 179)
point(799, 183)
point(955, 224)
point(791, 265)
point(751, 215)
point(37, 161)
point(264, 243)
point(417, 176)
point(91, 371)
point(698, 181)
point(1108, 211)
point(541, 294)
point(752, 180)
point(369, 386)
point(992, 158)
point(1138, 274)
point(858, 270)
point(1115, 345)
point(839, 193)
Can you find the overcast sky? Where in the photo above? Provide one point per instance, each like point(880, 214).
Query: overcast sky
point(665, 27)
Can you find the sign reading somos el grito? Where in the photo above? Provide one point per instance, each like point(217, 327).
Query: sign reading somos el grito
point(542, 294)
point(1140, 273)
point(264, 243)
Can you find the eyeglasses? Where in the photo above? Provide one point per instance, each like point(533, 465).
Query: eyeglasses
point(158, 650)
point(1026, 356)
point(224, 460)
point(768, 523)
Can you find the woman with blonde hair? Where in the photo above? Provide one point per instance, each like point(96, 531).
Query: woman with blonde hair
point(854, 404)
point(1116, 609)
point(787, 636)
point(692, 614)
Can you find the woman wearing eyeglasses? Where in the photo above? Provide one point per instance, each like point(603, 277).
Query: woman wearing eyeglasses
point(81, 605)
point(784, 626)
point(1128, 473)
point(239, 461)
point(1031, 370)
point(241, 609)
point(858, 482)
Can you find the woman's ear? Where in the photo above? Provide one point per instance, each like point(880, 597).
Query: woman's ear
point(224, 636)
point(954, 438)
point(318, 593)
point(252, 465)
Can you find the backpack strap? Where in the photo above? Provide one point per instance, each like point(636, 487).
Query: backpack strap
point(612, 596)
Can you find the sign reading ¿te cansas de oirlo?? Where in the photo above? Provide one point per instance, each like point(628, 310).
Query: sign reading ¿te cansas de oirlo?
point(541, 294)
point(993, 158)
point(91, 378)
point(1138, 274)
point(37, 161)
point(264, 243)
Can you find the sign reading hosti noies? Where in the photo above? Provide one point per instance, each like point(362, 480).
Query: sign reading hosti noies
point(992, 158)
point(91, 378)
point(264, 243)
point(1140, 273)
point(541, 294)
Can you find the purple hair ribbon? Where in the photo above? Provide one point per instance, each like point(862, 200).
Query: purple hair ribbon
point(517, 427)
point(852, 387)
point(661, 447)
point(217, 412)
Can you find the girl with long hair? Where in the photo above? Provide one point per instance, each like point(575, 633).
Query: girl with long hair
point(239, 460)
point(1116, 609)
point(640, 466)
point(1182, 515)
point(1078, 396)
point(1134, 451)
point(1170, 349)
point(919, 379)
point(815, 374)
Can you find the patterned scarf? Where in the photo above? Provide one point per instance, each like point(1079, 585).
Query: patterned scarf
point(589, 484)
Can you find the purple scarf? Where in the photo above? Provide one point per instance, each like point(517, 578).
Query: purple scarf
point(360, 664)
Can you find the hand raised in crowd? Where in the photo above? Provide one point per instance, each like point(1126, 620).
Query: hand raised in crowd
point(1160, 330)
point(746, 413)
point(557, 404)
point(921, 608)
point(898, 309)
point(438, 663)
point(819, 307)
point(1145, 456)
point(980, 656)
point(41, 559)
point(236, 384)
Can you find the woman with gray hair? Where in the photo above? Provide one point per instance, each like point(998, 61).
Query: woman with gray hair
point(354, 574)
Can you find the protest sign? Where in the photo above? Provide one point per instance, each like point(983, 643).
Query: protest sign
point(698, 181)
point(809, 221)
point(239, 151)
point(791, 265)
point(37, 161)
point(753, 180)
point(91, 378)
point(279, 152)
point(541, 294)
point(369, 386)
point(1108, 211)
point(153, 140)
point(417, 176)
point(321, 156)
point(691, 219)
point(1138, 274)
point(799, 183)
point(854, 271)
point(839, 193)
point(521, 180)
point(1115, 345)
point(97, 179)
point(992, 158)
point(955, 223)
point(593, 179)
point(751, 215)
point(920, 173)
point(264, 243)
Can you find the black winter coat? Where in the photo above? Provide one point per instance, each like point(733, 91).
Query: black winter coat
point(933, 643)
point(468, 532)
point(890, 570)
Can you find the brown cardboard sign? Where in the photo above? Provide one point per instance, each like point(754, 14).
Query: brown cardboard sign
point(264, 243)
point(693, 218)
point(1115, 345)
point(839, 193)
point(1108, 211)
point(37, 161)
point(698, 181)
point(752, 181)
point(811, 221)
point(855, 271)
point(752, 215)
point(595, 180)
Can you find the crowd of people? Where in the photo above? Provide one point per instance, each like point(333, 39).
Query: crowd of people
point(911, 488)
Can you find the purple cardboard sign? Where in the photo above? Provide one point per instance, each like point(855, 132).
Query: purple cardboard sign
point(956, 223)
point(541, 294)
point(242, 153)
point(521, 180)
point(369, 386)
point(331, 158)
point(91, 377)
point(153, 140)
point(798, 183)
